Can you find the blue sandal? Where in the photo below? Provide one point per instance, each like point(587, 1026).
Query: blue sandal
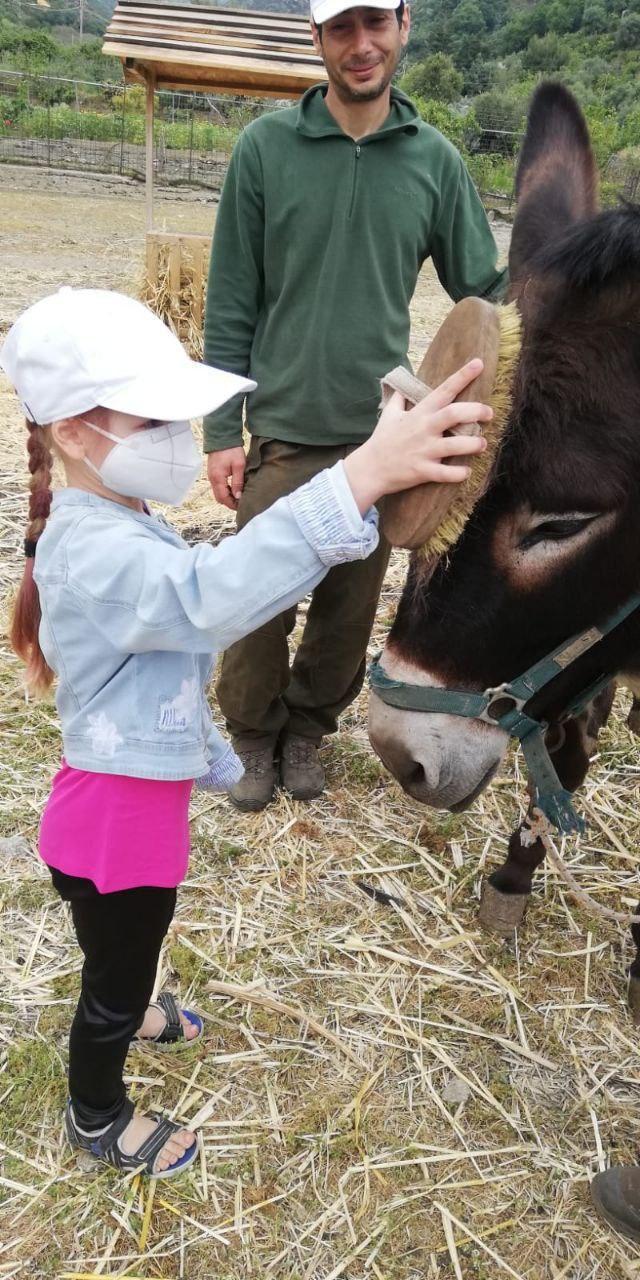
point(106, 1147)
point(172, 1035)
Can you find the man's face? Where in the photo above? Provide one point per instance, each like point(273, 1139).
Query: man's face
point(361, 49)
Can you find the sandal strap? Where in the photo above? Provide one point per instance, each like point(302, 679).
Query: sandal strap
point(101, 1146)
point(107, 1147)
point(152, 1146)
point(173, 1029)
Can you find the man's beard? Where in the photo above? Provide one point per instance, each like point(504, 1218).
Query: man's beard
point(367, 93)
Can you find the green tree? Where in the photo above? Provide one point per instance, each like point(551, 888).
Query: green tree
point(480, 77)
point(467, 28)
point(436, 78)
point(522, 27)
point(628, 36)
point(594, 18)
point(544, 53)
point(564, 16)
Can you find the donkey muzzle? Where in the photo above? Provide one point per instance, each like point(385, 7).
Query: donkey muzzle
point(439, 760)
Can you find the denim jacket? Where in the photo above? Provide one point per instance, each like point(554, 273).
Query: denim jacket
point(132, 617)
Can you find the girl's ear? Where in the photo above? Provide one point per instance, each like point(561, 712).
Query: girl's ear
point(69, 436)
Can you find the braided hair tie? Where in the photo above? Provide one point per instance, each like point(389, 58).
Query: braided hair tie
point(30, 545)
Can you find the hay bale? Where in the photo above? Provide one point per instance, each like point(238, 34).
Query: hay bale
point(174, 284)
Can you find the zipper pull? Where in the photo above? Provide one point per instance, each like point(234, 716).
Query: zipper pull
point(357, 151)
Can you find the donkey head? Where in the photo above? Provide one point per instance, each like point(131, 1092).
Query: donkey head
point(553, 546)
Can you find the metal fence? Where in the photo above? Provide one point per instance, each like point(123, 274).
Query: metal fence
point(97, 127)
point(85, 125)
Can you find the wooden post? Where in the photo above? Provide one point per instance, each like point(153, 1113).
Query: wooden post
point(175, 278)
point(151, 84)
point(197, 252)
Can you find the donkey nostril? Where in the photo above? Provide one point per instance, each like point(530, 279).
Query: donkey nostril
point(416, 777)
point(423, 776)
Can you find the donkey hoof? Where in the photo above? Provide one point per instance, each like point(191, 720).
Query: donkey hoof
point(501, 912)
point(634, 999)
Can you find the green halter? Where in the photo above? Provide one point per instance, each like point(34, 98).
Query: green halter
point(505, 706)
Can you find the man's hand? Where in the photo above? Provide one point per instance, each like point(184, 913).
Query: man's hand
point(225, 469)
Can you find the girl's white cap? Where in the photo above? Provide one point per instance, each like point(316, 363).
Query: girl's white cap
point(80, 348)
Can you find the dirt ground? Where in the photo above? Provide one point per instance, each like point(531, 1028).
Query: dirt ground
point(383, 1092)
point(88, 229)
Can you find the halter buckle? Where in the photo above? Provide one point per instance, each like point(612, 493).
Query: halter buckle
point(500, 702)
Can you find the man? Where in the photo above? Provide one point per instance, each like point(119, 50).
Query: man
point(616, 1196)
point(328, 211)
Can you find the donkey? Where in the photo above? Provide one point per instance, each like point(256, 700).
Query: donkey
point(553, 545)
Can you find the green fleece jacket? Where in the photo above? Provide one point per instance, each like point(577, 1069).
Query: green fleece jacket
point(317, 247)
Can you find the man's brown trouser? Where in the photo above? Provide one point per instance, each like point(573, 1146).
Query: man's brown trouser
point(260, 695)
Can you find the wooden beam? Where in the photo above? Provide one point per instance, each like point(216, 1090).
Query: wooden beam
point(151, 86)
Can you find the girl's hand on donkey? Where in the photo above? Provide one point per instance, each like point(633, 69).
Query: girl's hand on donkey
point(408, 447)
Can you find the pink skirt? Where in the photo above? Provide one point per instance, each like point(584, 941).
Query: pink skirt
point(118, 831)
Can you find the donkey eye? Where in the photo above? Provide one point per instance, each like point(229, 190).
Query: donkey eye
point(556, 530)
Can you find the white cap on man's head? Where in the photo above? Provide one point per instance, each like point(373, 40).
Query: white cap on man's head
point(80, 348)
point(323, 10)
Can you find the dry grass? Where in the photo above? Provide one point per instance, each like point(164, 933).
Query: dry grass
point(383, 1092)
point(175, 290)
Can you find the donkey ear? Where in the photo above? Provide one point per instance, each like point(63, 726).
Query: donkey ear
point(556, 178)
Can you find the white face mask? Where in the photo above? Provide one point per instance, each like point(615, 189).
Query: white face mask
point(159, 464)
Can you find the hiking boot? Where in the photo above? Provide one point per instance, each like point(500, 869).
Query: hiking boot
point(257, 785)
point(616, 1195)
point(300, 769)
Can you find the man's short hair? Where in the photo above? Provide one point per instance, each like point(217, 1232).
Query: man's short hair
point(399, 12)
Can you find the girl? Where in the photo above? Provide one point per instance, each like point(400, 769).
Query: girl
point(127, 616)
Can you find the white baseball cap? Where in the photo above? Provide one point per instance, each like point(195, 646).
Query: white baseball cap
point(323, 10)
point(80, 348)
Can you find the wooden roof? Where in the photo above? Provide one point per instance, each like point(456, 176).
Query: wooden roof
point(226, 50)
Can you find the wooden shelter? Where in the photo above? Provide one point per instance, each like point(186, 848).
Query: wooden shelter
point(186, 47)
point(189, 48)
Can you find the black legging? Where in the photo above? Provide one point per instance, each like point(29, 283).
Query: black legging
point(120, 935)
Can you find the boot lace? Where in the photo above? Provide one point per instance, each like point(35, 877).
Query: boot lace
point(257, 763)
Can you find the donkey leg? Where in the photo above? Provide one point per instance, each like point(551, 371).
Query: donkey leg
point(633, 718)
point(506, 892)
point(634, 973)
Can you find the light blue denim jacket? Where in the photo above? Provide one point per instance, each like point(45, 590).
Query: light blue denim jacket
point(132, 617)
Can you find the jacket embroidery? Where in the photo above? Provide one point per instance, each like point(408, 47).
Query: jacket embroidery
point(176, 714)
point(104, 735)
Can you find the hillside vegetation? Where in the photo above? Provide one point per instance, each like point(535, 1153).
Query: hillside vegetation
point(470, 67)
point(474, 63)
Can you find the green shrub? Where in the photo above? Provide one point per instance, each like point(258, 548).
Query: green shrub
point(492, 173)
point(435, 79)
point(604, 128)
point(629, 31)
point(454, 127)
point(501, 111)
point(544, 54)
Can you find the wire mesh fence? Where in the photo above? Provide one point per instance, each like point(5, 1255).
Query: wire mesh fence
point(100, 127)
point(85, 125)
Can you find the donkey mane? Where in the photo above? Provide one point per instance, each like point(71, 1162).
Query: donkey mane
point(597, 253)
